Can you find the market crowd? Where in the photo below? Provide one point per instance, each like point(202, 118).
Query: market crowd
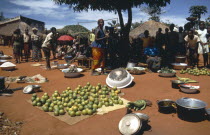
point(103, 46)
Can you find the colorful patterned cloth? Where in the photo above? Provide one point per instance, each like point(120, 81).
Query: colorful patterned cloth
point(98, 58)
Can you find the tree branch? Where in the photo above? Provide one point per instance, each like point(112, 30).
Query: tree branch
point(128, 26)
point(120, 18)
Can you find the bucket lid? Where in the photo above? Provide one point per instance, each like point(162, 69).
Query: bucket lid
point(130, 124)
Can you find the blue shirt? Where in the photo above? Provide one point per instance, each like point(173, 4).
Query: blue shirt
point(151, 51)
point(99, 43)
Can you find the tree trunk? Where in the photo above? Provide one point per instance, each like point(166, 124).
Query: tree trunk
point(124, 42)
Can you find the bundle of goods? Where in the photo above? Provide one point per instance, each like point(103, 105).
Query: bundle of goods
point(186, 80)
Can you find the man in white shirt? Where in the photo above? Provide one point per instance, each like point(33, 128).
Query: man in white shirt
point(47, 46)
point(203, 48)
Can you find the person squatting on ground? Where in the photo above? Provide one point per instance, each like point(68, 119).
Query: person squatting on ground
point(98, 48)
point(47, 46)
point(27, 41)
point(152, 57)
point(203, 47)
point(192, 48)
point(17, 42)
point(36, 45)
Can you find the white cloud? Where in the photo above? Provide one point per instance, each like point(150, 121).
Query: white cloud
point(89, 19)
point(177, 20)
point(35, 3)
point(45, 8)
point(48, 26)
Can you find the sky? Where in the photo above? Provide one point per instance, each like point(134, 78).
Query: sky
point(61, 15)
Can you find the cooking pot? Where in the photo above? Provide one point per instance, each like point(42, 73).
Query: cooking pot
point(180, 59)
point(131, 65)
point(191, 109)
point(166, 106)
point(132, 123)
point(176, 83)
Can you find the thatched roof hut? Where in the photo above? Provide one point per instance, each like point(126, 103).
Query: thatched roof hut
point(151, 26)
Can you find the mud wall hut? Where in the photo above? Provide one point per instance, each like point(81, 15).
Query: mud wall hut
point(8, 26)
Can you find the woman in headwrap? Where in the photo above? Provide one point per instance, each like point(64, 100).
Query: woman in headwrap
point(98, 47)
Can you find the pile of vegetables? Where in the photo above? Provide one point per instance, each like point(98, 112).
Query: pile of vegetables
point(73, 69)
point(167, 70)
point(195, 71)
point(80, 101)
point(137, 105)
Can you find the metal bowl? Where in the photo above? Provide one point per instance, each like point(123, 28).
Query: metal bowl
point(8, 68)
point(5, 57)
point(142, 116)
point(62, 66)
point(36, 88)
point(28, 89)
point(176, 83)
point(179, 66)
point(188, 90)
point(120, 84)
point(71, 75)
point(131, 65)
point(167, 74)
point(2, 61)
point(180, 59)
point(191, 103)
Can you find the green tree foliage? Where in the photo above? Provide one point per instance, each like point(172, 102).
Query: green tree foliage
point(154, 12)
point(116, 6)
point(197, 11)
point(74, 30)
point(113, 23)
point(208, 21)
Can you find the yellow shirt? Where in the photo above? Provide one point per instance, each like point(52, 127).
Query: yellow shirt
point(92, 37)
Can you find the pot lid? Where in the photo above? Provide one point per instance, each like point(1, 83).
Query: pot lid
point(191, 103)
point(130, 124)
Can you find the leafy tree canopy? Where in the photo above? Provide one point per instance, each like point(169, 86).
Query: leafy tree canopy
point(74, 30)
point(154, 12)
point(197, 11)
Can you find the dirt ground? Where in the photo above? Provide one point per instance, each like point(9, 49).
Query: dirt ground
point(148, 86)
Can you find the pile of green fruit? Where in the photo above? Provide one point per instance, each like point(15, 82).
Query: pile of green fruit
point(80, 101)
point(167, 70)
point(195, 71)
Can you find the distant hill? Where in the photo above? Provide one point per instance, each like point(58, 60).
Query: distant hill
point(74, 30)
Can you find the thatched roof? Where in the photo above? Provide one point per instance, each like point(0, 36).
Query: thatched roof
point(151, 26)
